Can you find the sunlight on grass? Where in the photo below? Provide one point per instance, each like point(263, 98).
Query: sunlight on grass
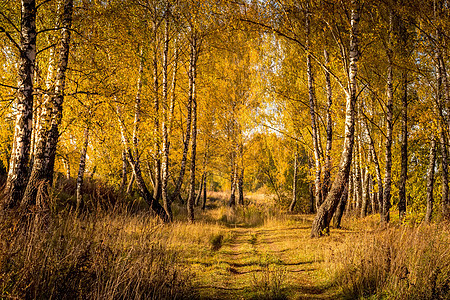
point(256, 253)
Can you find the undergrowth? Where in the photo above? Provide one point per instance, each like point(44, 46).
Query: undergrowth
point(396, 263)
point(99, 256)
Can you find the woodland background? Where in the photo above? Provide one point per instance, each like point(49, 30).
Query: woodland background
point(176, 110)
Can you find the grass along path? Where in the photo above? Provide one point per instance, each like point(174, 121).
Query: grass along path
point(277, 260)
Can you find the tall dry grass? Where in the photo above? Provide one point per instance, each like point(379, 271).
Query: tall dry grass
point(101, 256)
point(396, 263)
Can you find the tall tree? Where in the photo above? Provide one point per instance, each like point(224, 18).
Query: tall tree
point(328, 207)
point(43, 164)
point(18, 163)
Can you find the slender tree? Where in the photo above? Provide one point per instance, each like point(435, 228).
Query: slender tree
point(18, 163)
point(328, 207)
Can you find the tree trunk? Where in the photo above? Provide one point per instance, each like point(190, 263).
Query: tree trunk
point(328, 147)
point(327, 209)
point(358, 179)
point(314, 131)
point(187, 137)
point(130, 184)
point(157, 146)
point(18, 163)
point(404, 138)
point(377, 168)
point(44, 161)
point(312, 206)
point(66, 164)
point(165, 120)
point(191, 198)
point(442, 103)
point(232, 201)
point(124, 171)
point(294, 183)
point(200, 189)
point(82, 168)
point(340, 209)
point(366, 193)
point(385, 217)
point(430, 180)
point(204, 193)
point(350, 196)
point(135, 165)
point(241, 187)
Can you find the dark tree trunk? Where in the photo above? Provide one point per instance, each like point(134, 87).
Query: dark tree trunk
point(18, 163)
point(81, 169)
point(328, 147)
point(327, 209)
point(191, 198)
point(430, 180)
point(179, 182)
point(385, 217)
point(241, 187)
point(204, 194)
point(142, 187)
point(165, 129)
point(340, 208)
point(124, 171)
point(294, 183)
point(312, 111)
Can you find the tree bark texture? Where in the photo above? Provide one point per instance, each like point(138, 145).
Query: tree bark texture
point(385, 217)
point(327, 209)
point(44, 160)
point(329, 130)
point(191, 198)
point(165, 120)
point(18, 164)
point(340, 208)
point(312, 111)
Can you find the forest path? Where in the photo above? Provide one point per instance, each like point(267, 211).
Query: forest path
point(275, 261)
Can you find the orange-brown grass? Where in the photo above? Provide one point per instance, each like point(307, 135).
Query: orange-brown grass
point(251, 252)
point(102, 256)
point(395, 263)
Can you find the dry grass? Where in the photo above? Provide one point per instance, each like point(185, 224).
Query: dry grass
point(96, 257)
point(396, 263)
point(252, 252)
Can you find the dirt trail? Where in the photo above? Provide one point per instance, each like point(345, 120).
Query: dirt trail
point(252, 261)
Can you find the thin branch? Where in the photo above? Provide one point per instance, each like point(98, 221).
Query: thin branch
point(10, 22)
point(46, 48)
point(8, 86)
point(10, 38)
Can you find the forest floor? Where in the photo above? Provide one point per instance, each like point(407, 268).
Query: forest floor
point(251, 256)
point(255, 251)
point(277, 260)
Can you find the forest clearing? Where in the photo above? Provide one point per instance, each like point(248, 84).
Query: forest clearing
point(224, 149)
